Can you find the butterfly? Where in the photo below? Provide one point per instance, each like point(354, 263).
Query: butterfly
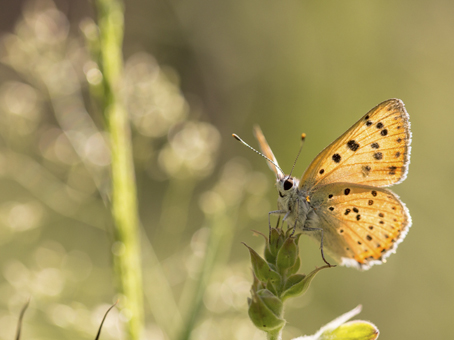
point(341, 199)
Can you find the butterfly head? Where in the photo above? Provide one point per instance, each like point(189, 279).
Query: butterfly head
point(287, 187)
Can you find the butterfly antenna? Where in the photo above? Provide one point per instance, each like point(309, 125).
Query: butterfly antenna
point(303, 138)
point(261, 154)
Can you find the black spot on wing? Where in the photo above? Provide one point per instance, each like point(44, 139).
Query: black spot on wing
point(353, 145)
point(378, 156)
point(336, 158)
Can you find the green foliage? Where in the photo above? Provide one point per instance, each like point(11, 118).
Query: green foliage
point(265, 310)
point(276, 280)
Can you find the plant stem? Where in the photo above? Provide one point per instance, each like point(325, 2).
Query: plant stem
point(222, 226)
point(124, 192)
point(275, 336)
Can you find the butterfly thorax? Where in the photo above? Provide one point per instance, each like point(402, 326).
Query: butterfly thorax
point(293, 203)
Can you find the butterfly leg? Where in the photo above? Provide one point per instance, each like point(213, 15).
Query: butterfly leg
point(278, 221)
point(276, 212)
point(294, 229)
point(321, 244)
point(296, 220)
point(277, 226)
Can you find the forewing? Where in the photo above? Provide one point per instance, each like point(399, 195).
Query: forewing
point(266, 150)
point(362, 225)
point(375, 151)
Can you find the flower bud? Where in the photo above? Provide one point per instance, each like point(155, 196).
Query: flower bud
point(265, 310)
point(357, 329)
point(339, 329)
point(276, 240)
point(269, 256)
point(287, 255)
point(292, 270)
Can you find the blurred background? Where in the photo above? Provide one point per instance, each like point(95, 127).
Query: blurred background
point(214, 68)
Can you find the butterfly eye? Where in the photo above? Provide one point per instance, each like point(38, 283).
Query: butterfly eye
point(288, 184)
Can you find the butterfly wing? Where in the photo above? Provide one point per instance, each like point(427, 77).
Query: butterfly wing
point(362, 225)
point(375, 151)
point(266, 150)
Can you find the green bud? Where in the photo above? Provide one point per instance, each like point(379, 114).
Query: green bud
point(271, 301)
point(265, 310)
point(339, 328)
point(256, 284)
point(287, 255)
point(269, 257)
point(354, 330)
point(261, 269)
point(272, 288)
point(297, 286)
point(297, 238)
point(295, 267)
point(276, 240)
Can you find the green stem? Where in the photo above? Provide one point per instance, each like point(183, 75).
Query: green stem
point(124, 192)
point(222, 226)
point(159, 293)
point(275, 336)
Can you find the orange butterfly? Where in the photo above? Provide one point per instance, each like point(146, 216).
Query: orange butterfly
point(340, 199)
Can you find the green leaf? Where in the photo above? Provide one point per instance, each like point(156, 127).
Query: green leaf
point(295, 267)
point(271, 301)
point(300, 287)
point(256, 283)
point(261, 269)
point(269, 257)
point(293, 280)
